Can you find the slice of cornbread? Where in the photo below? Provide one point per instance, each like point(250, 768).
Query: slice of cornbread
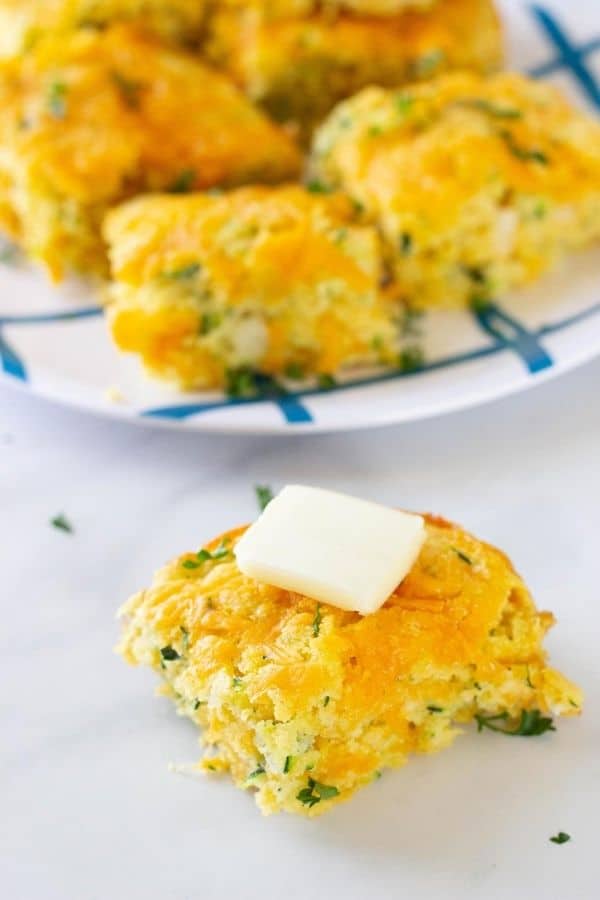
point(23, 22)
point(298, 66)
point(478, 185)
point(306, 703)
point(211, 290)
point(94, 117)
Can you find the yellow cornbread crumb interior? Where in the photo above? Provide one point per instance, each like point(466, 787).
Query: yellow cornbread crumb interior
point(305, 703)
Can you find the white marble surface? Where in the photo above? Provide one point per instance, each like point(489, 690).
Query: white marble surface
point(89, 810)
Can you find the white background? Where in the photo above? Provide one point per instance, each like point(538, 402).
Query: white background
point(89, 810)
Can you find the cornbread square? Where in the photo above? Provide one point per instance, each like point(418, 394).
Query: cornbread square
point(298, 67)
point(94, 117)
point(305, 703)
point(213, 290)
point(478, 185)
point(23, 22)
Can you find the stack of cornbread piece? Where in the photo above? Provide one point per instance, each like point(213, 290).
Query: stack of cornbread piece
point(244, 210)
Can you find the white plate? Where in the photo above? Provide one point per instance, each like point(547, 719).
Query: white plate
point(56, 342)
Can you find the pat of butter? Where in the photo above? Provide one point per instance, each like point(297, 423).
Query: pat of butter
point(330, 547)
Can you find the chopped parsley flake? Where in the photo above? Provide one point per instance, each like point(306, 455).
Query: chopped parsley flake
point(9, 253)
point(524, 153)
point(326, 382)
point(531, 723)
point(184, 182)
point(326, 700)
point(406, 243)
point(404, 103)
point(411, 359)
point(169, 653)
point(264, 495)
point(62, 524)
point(240, 382)
point(258, 771)
point(435, 709)
point(129, 89)
point(315, 792)
point(493, 109)
point(57, 99)
point(466, 559)
point(561, 838)
point(205, 555)
point(425, 66)
point(237, 682)
point(199, 703)
point(316, 625)
point(294, 371)
point(209, 322)
point(317, 187)
point(289, 761)
point(184, 272)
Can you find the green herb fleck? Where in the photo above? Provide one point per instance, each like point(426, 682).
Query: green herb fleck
point(406, 243)
point(466, 559)
point(62, 523)
point(315, 792)
point(524, 153)
point(199, 703)
point(294, 371)
point(425, 66)
point(404, 103)
point(326, 700)
point(289, 761)
point(57, 99)
point(184, 272)
point(184, 182)
point(492, 109)
point(561, 838)
point(258, 771)
point(9, 253)
point(240, 382)
point(237, 682)
point(531, 723)
point(129, 89)
point(209, 322)
point(264, 495)
point(169, 653)
point(317, 187)
point(411, 359)
point(205, 555)
point(572, 702)
point(316, 625)
point(435, 709)
point(326, 382)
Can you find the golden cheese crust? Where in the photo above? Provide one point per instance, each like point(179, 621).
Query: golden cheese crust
point(23, 22)
point(299, 66)
point(272, 281)
point(478, 185)
point(92, 118)
point(305, 703)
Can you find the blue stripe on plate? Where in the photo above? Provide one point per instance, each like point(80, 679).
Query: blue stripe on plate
point(570, 56)
point(10, 362)
point(518, 339)
point(87, 312)
point(514, 336)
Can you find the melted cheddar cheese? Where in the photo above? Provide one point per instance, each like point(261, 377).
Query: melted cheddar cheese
point(478, 185)
point(274, 280)
point(299, 62)
point(90, 119)
point(305, 703)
